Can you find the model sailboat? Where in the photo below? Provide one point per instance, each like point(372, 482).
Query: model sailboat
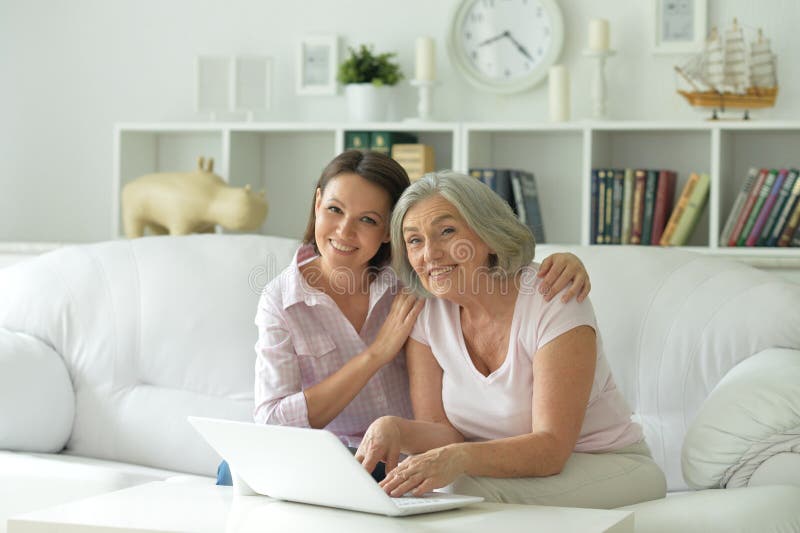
point(725, 76)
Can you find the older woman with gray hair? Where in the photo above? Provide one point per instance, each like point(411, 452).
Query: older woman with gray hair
point(513, 398)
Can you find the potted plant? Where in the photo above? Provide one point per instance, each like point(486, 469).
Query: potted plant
point(367, 78)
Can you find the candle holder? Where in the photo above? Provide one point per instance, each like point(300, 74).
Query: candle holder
point(425, 94)
point(599, 82)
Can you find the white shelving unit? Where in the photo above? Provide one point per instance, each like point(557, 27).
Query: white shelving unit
point(287, 158)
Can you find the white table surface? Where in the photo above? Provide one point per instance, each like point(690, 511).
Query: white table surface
point(193, 507)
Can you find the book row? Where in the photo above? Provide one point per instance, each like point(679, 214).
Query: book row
point(637, 206)
point(518, 189)
point(766, 211)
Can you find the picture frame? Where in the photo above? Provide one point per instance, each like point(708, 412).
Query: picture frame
point(252, 83)
point(213, 84)
point(679, 26)
point(317, 63)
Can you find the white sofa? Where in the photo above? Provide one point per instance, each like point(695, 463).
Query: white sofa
point(106, 348)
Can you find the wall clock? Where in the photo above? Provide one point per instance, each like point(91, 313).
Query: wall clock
point(506, 46)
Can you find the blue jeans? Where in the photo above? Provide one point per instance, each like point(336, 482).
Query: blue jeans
point(224, 472)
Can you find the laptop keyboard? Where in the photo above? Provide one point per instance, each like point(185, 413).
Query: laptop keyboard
point(411, 501)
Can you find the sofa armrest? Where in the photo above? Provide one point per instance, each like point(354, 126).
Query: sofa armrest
point(751, 416)
point(37, 401)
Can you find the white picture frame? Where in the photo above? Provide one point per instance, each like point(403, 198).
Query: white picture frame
point(679, 26)
point(213, 84)
point(252, 83)
point(317, 63)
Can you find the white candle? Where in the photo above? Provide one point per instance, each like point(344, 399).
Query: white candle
point(598, 35)
point(558, 85)
point(426, 59)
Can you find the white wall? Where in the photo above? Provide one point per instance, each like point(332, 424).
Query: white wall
point(70, 69)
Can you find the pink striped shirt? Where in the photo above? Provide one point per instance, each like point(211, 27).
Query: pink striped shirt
point(303, 337)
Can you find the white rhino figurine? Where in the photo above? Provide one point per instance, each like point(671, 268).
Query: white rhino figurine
point(179, 203)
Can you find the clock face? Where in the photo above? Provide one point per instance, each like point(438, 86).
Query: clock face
point(506, 45)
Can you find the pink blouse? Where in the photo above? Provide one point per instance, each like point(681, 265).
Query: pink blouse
point(303, 337)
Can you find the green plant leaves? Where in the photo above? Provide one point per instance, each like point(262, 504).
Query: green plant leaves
point(363, 66)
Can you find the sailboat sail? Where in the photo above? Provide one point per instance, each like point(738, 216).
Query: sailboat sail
point(762, 64)
point(715, 62)
point(737, 76)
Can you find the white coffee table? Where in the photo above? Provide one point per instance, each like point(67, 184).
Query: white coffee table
point(193, 507)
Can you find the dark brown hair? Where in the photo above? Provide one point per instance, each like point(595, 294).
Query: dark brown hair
point(374, 167)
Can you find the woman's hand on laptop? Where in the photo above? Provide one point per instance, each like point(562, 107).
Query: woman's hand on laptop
point(381, 442)
point(422, 473)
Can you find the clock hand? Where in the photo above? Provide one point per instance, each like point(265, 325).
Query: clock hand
point(521, 48)
point(493, 39)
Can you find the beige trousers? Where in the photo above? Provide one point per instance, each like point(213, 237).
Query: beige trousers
point(593, 480)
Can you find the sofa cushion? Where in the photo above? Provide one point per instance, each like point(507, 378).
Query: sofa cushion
point(763, 509)
point(37, 403)
point(151, 330)
point(752, 415)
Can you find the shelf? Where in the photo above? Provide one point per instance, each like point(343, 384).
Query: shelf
point(286, 158)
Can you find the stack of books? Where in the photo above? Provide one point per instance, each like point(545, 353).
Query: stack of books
point(416, 159)
point(518, 189)
point(635, 206)
point(378, 141)
point(766, 211)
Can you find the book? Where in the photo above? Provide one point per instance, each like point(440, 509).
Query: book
point(609, 230)
point(788, 209)
point(499, 180)
point(503, 187)
point(627, 206)
point(593, 212)
point(356, 140)
point(782, 197)
point(791, 226)
point(766, 208)
point(639, 179)
point(616, 206)
point(680, 206)
point(526, 183)
point(382, 141)
point(748, 206)
point(766, 187)
point(692, 211)
point(601, 207)
point(651, 185)
point(738, 204)
point(796, 239)
point(416, 159)
point(663, 205)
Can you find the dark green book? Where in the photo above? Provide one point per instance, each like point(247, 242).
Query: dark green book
point(616, 206)
point(650, 188)
point(356, 140)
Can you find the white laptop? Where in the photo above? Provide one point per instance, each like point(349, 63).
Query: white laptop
point(310, 466)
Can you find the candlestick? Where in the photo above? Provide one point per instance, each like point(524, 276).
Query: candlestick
point(598, 35)
point(426, 59)
point(425, 90)
point(599, 81)
point(558, 84)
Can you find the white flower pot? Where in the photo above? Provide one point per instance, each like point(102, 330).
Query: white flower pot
point(367, 102)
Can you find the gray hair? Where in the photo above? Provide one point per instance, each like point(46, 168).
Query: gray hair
point(485, 212)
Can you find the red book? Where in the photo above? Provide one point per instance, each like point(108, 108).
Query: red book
point(664, 198)
point(748, 206)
